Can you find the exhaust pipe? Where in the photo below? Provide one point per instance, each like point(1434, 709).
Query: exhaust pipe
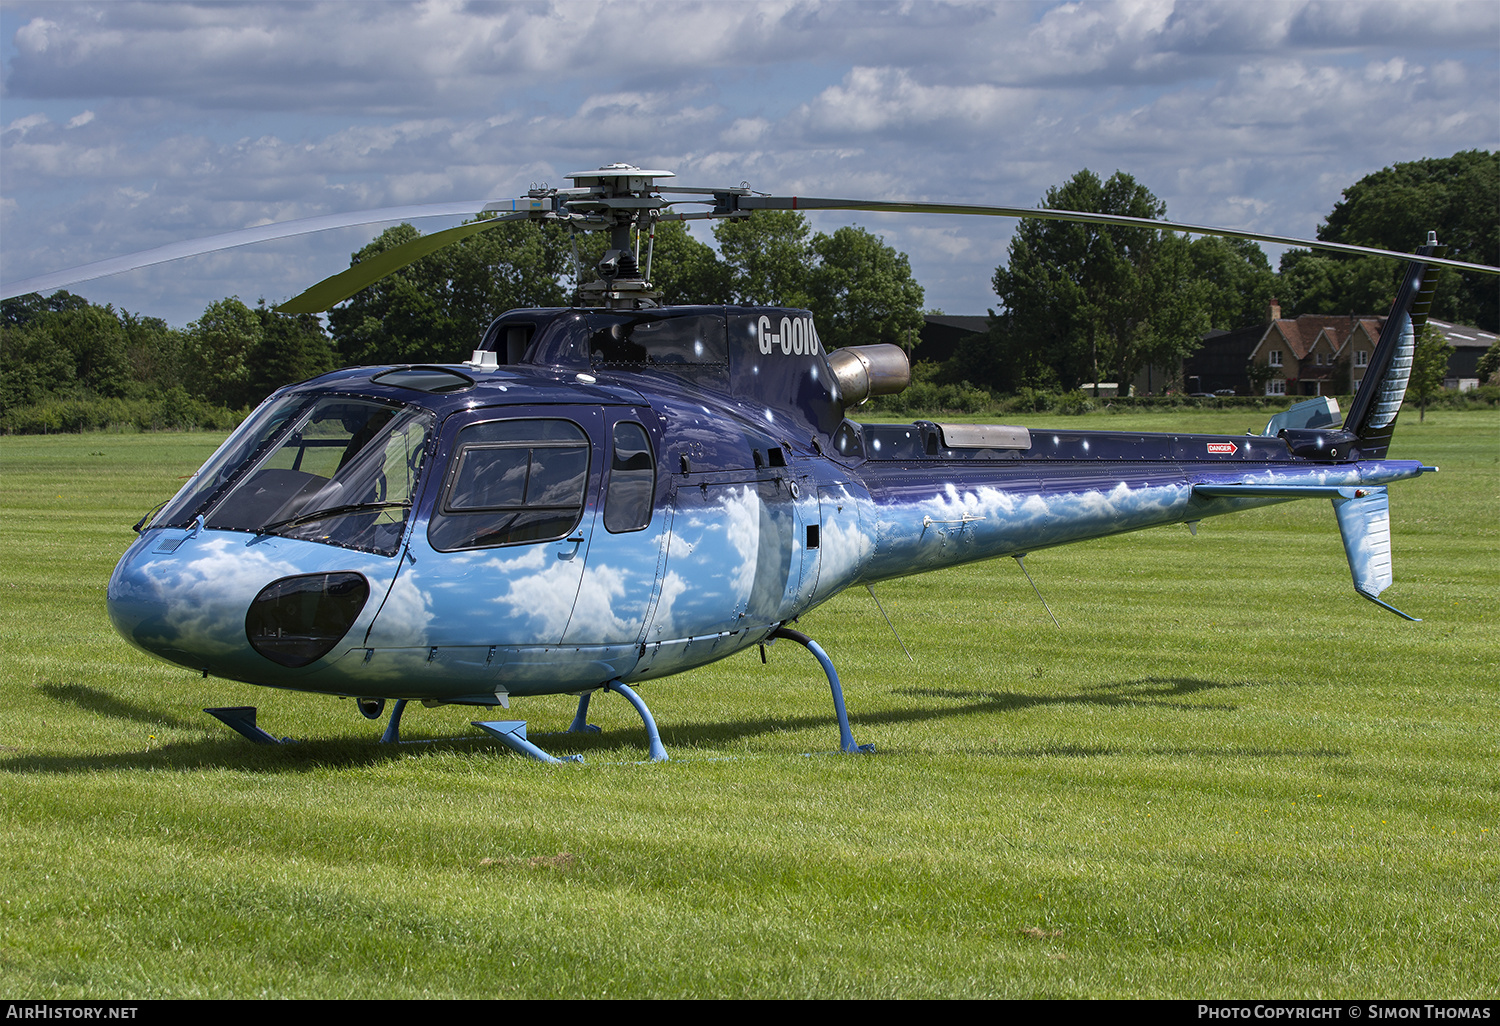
point(865, 371)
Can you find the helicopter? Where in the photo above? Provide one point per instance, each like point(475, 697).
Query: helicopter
point(617, 491)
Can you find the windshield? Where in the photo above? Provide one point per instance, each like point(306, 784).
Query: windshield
point(345, 473)
point(247, 439)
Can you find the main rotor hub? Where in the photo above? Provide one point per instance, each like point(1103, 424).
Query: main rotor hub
point(619, 197)
point(615, 180)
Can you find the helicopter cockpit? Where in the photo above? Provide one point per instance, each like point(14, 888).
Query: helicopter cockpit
point(332, 468)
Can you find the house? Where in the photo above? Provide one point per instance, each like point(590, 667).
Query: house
point(1310, 355)
point(1314, 354)
point(1219, 364)
point(942, 335)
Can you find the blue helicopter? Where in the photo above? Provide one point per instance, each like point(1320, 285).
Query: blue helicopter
point(617, 491)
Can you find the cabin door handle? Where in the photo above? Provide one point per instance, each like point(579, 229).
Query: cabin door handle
point(570, 553)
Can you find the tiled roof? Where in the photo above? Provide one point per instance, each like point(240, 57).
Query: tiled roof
point(1301, 333)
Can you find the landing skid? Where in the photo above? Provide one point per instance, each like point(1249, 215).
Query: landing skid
point(512, 733)
point(846, 737)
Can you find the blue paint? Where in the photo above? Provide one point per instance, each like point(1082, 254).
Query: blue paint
point(653, 737)
point(846, 736)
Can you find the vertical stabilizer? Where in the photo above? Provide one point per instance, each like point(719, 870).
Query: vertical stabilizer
point(1365, 524)
point(1372, 415)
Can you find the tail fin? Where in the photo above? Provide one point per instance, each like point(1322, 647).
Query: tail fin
point(1365, 524)
point(1372, 415)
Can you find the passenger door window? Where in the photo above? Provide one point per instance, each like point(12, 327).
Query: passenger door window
point(512, 481)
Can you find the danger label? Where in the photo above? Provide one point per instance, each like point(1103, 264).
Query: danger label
point(1228, 448)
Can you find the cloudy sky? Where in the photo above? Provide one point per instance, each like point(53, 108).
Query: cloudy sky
point(131, 125)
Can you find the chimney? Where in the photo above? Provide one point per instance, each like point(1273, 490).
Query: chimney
point(1275, 310)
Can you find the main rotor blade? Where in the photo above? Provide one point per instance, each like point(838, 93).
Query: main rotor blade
point(231, 240)
point(1046, 214)
point(330, 292)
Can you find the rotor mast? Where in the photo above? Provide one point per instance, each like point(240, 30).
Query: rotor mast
point(616, 198)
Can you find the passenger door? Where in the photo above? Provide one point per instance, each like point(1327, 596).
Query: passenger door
point(498, 551)
point(622, 579)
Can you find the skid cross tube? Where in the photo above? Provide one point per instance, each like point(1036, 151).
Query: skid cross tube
point(392, 735)
point(658, 753)
point(846, 737)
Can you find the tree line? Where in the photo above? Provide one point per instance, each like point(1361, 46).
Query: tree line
point(1083, 303)
point(1078, 302)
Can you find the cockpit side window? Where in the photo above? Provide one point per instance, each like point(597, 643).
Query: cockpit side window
point(632, 479)
point(512, 481)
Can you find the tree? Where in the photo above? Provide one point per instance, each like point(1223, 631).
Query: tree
point(859, 289)
point(292, 348)
point(219, 354)
point(1082, 299)
point(769, 256)
point(862, 292)
point(1312, 283)
point(22, 310)
point(32, 366)
point(155, 353)
point(1236, 280)
point(1489, 366)
point(63, 346)
point(1259, 374)
point(686, 270)
point(436, 308)
point(1429, 366)
point(1458, 197)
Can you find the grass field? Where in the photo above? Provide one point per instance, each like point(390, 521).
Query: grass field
point(1225, 775)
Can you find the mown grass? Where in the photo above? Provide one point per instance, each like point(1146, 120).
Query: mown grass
point(1225, 775)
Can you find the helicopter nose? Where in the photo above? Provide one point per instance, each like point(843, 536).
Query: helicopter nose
point(231, 606)
point(163, 601)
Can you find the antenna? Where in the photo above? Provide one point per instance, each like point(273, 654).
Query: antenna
point(1020, 559)
point(890, 625)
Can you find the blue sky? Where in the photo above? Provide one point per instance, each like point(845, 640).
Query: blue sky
point(125, 126)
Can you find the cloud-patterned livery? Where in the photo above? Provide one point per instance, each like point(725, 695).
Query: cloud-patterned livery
point(601, 497)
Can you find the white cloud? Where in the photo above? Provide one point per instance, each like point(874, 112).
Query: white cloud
point(203, 118)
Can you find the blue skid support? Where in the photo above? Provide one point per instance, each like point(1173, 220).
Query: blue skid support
point(392, 733)
point(512, 734)
point(846, 736)
point(658, 753)
point(581, 724)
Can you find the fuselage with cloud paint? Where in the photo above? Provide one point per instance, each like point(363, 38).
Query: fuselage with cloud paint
point(764, 502)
